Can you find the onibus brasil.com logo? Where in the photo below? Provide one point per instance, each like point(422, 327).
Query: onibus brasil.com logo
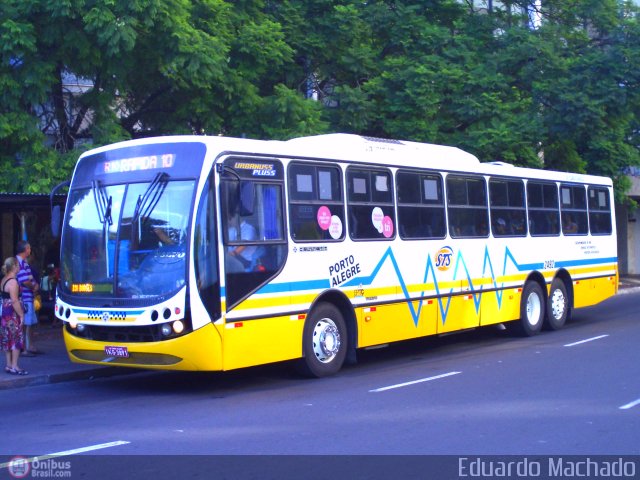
point(21, 467)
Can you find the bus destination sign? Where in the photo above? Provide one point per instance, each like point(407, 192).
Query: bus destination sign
point(148, 162)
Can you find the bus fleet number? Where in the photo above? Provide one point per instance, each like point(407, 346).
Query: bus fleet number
point(548, 264)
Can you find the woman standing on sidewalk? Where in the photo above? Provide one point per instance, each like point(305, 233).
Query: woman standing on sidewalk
point(11, 335)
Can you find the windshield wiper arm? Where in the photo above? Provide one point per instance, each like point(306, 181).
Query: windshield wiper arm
point(103, 203)
point(147, 202)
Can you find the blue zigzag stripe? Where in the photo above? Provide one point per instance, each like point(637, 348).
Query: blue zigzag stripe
point(430, 270)
point(477, 295)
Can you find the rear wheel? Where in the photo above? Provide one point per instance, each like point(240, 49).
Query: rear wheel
point(557, 306)
point(532, 308)
point(324, 342)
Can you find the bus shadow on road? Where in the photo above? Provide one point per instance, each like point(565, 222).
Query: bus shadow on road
point(461, 345)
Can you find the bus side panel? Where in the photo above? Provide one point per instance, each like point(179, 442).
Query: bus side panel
point(500, 306)
point(399, 321)
point(260, 341)
point(593, 291)
point(461, 312)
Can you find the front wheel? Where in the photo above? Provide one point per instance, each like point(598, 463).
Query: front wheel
point(324, 342)
point(557, 306)
point(532, 308)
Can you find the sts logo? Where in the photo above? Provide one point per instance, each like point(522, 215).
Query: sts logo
point(443, 258)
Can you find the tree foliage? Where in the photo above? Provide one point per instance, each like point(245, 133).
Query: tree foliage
point(152, 67)
point(551, 84)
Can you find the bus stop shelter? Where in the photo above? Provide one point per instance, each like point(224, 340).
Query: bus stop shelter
point(27, 216)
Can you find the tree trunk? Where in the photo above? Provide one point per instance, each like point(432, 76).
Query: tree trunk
point(64, 135)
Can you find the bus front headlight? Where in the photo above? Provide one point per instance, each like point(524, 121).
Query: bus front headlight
point(178, 326)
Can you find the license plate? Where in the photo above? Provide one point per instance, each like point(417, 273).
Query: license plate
point(116, 351)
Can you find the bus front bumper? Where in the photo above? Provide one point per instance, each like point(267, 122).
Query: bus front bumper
point(198, 350)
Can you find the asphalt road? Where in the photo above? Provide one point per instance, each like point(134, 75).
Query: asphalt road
point(575, 391)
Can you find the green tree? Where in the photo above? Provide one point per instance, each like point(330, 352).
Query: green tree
point(152, 67)
point(563, 95)
point(428, 71)
point(585, 81)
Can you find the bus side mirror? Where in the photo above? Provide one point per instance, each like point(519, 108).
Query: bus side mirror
point(247, 198)
point(55, 221)
point(55, 209)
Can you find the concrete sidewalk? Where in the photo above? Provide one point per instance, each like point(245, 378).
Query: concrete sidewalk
point(629, 283)
point(53, 364)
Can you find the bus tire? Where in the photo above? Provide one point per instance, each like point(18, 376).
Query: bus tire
point(557, 306)
point(532, 310)
point(324, 342)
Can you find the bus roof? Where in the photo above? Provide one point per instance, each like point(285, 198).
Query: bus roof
point(370, 150)
point(342, 146)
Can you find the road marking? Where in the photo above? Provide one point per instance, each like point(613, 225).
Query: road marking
point(406, 384)
point(630, 405)
point(587, 340)
point(71, 452)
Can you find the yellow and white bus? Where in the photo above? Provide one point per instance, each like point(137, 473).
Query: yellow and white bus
point(213, 253)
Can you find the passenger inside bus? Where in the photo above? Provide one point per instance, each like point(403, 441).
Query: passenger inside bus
point(151, 235)
point(163, 236)
point(241, 258)
point(501, 227)
point(569, 225)
point(517, 223)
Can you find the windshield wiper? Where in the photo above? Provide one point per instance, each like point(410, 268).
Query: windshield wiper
point(103, 203)
point(148, 201)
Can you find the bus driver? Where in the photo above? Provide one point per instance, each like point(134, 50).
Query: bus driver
point(240, 257)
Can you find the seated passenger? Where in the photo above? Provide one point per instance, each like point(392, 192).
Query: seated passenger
point(240, 258)
point(163, 237)
point(569, 225)
point(517, 224)
point(500, 227)
point(480, 229)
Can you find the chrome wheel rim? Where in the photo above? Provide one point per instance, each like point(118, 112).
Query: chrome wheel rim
point(326, 340)
point(534, 307)
point(558, 304)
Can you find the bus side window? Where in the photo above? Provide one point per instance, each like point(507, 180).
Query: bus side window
point(467, 206)
point(252, 220)
point(316, 203)
point(420, 205)
point(599, 211)
point(370, 204)
point(574, 210)
point(205, 251)
point(542, 208)
point(508, 212)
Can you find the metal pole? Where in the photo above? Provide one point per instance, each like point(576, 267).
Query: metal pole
point(23, 226)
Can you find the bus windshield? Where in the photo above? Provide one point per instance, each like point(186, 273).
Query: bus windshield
point(127, 240)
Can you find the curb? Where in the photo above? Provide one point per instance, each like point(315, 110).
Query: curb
point(625, 290)
point(45, 379)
